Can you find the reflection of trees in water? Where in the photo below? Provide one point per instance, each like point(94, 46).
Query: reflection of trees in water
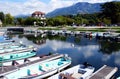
point(20, 36)
point(11, 36)
point(57, 37)
point(14, 35)
point(109, 47)
point(37, 40)
point(77, 39)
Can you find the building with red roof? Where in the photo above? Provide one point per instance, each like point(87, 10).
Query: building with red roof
point(41, 16)
point(38, 14)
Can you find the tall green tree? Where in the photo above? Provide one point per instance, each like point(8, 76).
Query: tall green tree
point(30, 21)
point(9, 19)
point(19, 21)
point(111, 10)
point(2, 16)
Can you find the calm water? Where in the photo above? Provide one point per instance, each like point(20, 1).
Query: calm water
point(80, 49)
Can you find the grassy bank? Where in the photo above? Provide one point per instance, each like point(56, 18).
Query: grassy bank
point(93, 29)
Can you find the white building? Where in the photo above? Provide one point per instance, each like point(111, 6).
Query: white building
point(39, 15)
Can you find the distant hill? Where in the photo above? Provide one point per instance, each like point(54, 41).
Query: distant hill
point(22, 16)
point(81, 8)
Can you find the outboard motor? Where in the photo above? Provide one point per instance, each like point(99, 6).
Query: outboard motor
point(86, 64)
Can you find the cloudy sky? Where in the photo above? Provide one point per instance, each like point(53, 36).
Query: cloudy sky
point(16, 7)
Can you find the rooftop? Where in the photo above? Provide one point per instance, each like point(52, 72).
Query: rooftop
point(38, 13)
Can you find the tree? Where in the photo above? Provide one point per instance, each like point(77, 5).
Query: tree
point(2, 16)
point(29, 21)
point(111, 10)
point(9, 19)
point(58, 20)
point(69, 21)
point(50, 22)
point(20, 21)
point(78, 20)
point(106, 21)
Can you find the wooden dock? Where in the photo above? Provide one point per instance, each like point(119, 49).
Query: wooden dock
point(9, 69)
point(105, 72)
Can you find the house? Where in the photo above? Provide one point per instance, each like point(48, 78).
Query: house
point(41, 16)
point(38, 14)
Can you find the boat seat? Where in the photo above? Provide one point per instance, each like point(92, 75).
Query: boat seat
point(81, 71)
point(40, 67)
point(15, 63)
point(26, 60)
point(31, 72)
point(46, 68)
point(76, 75)
point(60, 63)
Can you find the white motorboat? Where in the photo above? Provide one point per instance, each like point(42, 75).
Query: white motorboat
point(81, 71)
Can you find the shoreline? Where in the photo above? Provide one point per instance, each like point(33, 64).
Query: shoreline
point(70, 28)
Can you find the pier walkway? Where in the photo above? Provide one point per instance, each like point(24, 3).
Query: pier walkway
point(104, 72)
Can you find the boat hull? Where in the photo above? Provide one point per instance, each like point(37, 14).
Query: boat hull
point(74, 72)
point(34, 71)
point(51, 72)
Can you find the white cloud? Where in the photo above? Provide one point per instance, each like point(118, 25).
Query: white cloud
point(89, 51)
point(56, 46)
point(105, 57)
point(66, 45)
point(117, 58)
point(30, 6)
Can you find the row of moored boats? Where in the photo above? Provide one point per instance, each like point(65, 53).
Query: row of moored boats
point(18, 61)
point(112, 36)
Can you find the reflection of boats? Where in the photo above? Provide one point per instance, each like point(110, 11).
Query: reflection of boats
point(4, 39)
point(117, 38)
point(2, 33)
point(72, 45)
point(81, 71)
point(40, 69)
point(39, 42)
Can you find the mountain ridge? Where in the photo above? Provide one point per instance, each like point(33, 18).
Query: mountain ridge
point(78, 8)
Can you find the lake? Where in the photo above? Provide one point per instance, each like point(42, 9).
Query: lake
point(79, 48)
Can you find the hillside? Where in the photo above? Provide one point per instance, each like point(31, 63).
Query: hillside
point(81, 8)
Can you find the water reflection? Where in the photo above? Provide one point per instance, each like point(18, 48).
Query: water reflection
point(107, 47)
point(80, 49)
point(117, 58)
point(37, 40)
point(56, 37)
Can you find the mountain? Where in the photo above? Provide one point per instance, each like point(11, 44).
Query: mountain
point(81, 8)
point(22, 16)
